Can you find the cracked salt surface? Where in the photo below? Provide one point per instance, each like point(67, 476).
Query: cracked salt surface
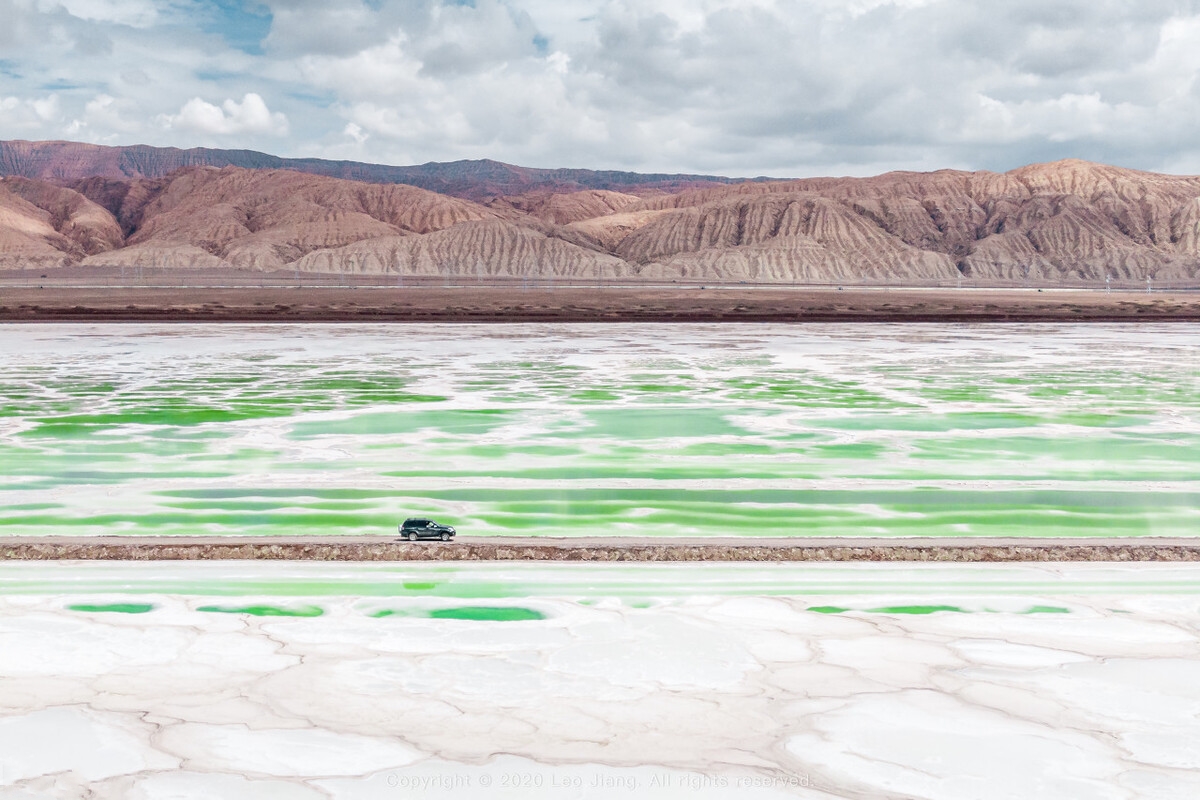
point(708, 690)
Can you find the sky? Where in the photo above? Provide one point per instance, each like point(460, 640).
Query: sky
point(784, 88)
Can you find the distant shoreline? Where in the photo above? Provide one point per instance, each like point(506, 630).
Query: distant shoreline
point(583, 304)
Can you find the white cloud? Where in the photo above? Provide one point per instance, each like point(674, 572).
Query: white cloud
point(249, 116)
point(104, 116)
point(356, 133)
point(741, 87)
point(47, 108)
point(29, 115)
point(135, 13)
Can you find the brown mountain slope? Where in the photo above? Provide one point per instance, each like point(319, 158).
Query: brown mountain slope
point(266, 219)
point(608, 231)
point(778, 237)
point(1068, 220)
point(483, 249)
point(126, 200)
point(27, 237)
point(89, 227)
point(563, 209)
point(1065, 222)
point(45, 225)
point(479, 180)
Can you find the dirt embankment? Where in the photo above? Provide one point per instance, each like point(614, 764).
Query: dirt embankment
point(50, 303)
point(591, 550)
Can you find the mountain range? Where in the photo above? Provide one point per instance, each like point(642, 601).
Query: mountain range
point(480, 180)
point(65, 204)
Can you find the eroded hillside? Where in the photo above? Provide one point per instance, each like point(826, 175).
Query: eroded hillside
point(1063, 222)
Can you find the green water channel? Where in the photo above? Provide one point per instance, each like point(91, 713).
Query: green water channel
point(482, 583)
point(532, 592)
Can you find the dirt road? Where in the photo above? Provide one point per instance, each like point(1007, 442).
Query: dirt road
point(388, 548)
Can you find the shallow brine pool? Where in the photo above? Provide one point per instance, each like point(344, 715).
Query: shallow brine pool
point(657, 430)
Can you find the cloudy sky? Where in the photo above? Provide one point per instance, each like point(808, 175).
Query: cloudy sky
point(734, 87)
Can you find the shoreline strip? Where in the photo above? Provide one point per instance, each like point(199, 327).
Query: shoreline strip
point(575, 305)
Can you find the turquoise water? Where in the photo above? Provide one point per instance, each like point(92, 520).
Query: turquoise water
point(823, 430)
point(452, 585)
point(525, 592)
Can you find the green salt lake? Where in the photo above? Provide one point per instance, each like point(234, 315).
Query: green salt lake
point(656, 430)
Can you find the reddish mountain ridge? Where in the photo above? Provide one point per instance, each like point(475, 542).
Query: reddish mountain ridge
point(66, 162)
point(1062, 223)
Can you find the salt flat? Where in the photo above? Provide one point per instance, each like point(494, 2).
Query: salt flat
point(238, 679)
point(763, 680)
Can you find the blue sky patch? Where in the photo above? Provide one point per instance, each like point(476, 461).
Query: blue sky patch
point(243, 25)
point(217, 76)
point(60, 85)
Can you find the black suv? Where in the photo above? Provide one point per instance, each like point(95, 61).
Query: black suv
point(414, 528)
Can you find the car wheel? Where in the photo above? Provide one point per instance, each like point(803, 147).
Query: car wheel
point(445, 537)
point(412, 537)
